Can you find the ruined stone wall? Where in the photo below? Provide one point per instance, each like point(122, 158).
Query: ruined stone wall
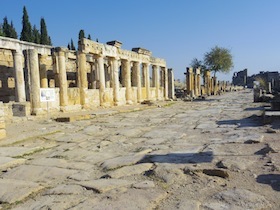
point(2, 122)
point(7, 80)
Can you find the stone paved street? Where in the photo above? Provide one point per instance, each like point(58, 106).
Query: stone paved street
point(211, 154)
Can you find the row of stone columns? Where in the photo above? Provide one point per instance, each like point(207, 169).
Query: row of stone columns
point(126, 68)
point(38, 77)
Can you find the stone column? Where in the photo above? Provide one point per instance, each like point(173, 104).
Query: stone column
point(147, 79)
point(82, 60)
point(19, 77)
point(207, 80)
point(43, 71)
point(137, 79)
point(101, 74)
point(62, 76)
point(127, 80)
point(170, 84)
point(156, 80)
point(165, 83)
point(34, 81)
point(197, 82)
point(190, 80)
point(116, 82)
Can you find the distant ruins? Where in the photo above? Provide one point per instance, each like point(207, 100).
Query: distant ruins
point(95, 75)
point(272, 78)
point(210, 86)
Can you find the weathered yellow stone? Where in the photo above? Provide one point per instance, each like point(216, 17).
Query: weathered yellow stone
point(3, 133)
point(2, 125)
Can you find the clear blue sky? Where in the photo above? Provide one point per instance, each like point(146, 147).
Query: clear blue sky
point(177, 31)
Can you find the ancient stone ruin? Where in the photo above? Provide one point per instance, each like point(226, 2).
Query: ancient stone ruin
point(95, 75)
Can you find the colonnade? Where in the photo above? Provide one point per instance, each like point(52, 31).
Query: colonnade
point(210, 84)
point(110, 71)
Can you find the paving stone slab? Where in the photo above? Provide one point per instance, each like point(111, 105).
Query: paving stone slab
point(8, 162)
point(17, 151)
point(237, 199)
point(13, 190)
point(130, 170)
point(132, 199)
point(52, 202)
point(104, 185)
point(43, 174)
point(121, 161)
point(61, 163)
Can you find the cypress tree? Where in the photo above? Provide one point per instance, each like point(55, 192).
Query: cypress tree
point(89, 37)
point(1, 30)
point(26, 33)
point(68, 46)
point(44, 33)
point(81, 34)
point(13, 31)
point(50, 41)
point(36, 35)
point(72, 45)
point(6, 27)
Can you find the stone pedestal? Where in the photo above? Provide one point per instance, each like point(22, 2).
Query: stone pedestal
point(21, 109)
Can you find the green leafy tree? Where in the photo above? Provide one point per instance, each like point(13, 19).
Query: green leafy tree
point(72, 45)
point(81, 34)
point(26, 33)
point(218, 60)
point(195, 63)
point(45, 39)
point(36, 35)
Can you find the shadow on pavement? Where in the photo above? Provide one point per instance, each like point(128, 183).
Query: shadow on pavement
point(179, 158)
point(271, 179)
point(260, 108)
point(252, 121)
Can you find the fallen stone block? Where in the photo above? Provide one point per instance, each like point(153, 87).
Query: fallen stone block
point(216, 172)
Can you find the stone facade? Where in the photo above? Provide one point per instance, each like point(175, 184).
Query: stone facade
point(95, 75)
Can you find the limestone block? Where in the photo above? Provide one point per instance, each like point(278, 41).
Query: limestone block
point(21, 109)
point(2, 124)
point(3, 133)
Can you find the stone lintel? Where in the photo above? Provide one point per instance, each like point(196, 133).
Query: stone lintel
point(142, 51)
point(115, 43)
point(63, 49)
